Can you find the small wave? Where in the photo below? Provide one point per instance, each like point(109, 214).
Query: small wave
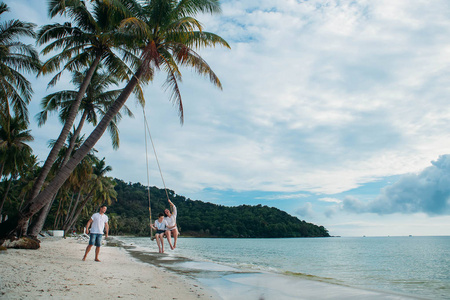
point(314, 277)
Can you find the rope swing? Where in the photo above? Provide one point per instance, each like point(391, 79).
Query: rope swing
point(147, 130)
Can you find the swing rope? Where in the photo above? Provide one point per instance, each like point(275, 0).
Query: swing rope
point(148, 179)
point(147, 130)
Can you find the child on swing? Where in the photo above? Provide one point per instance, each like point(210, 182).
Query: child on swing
point(160, 226)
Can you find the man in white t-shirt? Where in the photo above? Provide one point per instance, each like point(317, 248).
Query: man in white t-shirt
point(99, 222)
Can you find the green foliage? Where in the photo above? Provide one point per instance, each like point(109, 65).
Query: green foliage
point(16, 59)
point(197, 218)
point(129, 215)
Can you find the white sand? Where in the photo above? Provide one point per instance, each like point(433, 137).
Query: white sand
point(57, 271)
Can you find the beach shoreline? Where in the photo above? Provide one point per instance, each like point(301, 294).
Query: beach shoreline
point(233, 282)
point(129, 272)
point(56, 270)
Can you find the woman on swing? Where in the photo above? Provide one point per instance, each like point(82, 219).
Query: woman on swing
point(171, 220)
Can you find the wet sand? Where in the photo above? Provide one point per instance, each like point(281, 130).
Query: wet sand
point(231, 283)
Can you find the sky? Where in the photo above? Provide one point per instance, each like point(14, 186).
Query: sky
point(334, 111)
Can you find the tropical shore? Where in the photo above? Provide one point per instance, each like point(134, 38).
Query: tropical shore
point(57, 271)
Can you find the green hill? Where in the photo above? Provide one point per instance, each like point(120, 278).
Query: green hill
point(130, 215)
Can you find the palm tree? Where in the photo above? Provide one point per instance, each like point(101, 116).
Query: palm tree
point(94, 39)
point(101, 190)
point(72, 189)
point(166, 34)
point(15, 191)
point(14, 152)
point(81, 173)
point(95, 102)
point(16, 57)
point(31, 170)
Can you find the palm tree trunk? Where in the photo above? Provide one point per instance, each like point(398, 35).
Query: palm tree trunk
point(70, 209)
point(58, 214)
point(38, 224)
point(36, 227)
point(5, 195)
point(45, 196)
point(64, 132)
point(78, 212)
point(74, 138)
point(71, 213)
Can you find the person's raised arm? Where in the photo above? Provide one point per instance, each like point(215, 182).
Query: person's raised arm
point(174, 208)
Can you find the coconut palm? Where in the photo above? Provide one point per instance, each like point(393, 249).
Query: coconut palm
point(101, 190)
point(73, 189)
point(16, 58)
point(95, 102)
point(166, 33)
point(16, 190)
point(94, 38)
point(31, 170)
point(14, 152)
point(81, 174)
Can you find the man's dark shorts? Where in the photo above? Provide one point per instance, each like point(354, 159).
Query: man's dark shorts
point(95, 239)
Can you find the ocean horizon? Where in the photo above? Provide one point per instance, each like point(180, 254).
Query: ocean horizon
point(414, 267)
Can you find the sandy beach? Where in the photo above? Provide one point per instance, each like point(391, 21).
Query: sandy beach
point(57, 271)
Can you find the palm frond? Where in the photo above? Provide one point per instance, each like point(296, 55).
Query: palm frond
point(194, 7)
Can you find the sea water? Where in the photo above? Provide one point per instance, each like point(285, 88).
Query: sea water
point(416, 266)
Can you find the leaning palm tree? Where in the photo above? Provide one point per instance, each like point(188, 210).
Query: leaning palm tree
point(82, 170)
point(166, 33)
point(94, 38)
point(73, 188)
point(16, 58)
point(97, 99)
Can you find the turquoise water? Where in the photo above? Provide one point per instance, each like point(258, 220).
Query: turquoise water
point(418, 266)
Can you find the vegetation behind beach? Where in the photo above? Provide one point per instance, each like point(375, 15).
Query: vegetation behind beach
point(130, 215)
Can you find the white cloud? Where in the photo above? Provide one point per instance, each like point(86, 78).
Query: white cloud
point(316, 94)
point(316, 97)
point(319, 97)
point(284, 197)
point(426, 192)
point(331, 200)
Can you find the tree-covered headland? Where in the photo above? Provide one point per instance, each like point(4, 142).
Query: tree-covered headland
point(130, 215)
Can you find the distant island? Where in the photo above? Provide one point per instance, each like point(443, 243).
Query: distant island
point(129, 215)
